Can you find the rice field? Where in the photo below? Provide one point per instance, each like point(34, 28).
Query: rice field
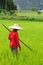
point(32, 35)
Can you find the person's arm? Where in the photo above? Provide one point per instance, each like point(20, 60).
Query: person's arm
point(20, 48)
point(9, 35)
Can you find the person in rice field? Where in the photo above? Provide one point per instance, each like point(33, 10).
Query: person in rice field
point(14, 38)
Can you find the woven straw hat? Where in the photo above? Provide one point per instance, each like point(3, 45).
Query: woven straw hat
point(16, 26)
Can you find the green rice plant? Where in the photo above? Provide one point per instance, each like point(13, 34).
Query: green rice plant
point(32, 35)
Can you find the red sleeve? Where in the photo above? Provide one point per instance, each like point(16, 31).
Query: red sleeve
point(9, 35)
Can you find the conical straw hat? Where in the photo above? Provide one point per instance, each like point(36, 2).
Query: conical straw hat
point(16, 26)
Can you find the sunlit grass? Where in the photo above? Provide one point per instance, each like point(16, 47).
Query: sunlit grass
point(32, 35)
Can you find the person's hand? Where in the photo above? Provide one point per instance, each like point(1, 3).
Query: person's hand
point(20, 48)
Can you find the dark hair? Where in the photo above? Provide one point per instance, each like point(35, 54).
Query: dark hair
point(16, 29)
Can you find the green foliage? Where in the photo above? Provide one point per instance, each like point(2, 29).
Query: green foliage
point(11, 5)
point(7, 5)
point(38, 12)
point(18, 15)
point(34, 9)
point(32, 35)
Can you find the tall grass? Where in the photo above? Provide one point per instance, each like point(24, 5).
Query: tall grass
point(32, 35)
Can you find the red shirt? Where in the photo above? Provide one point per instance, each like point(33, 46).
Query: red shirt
point(14, 40)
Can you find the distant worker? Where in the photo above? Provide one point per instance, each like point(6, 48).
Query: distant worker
point(14, 39)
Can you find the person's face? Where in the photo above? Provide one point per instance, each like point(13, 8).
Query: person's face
point(16, 29)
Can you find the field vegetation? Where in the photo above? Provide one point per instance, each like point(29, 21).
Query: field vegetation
point(32, 35)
